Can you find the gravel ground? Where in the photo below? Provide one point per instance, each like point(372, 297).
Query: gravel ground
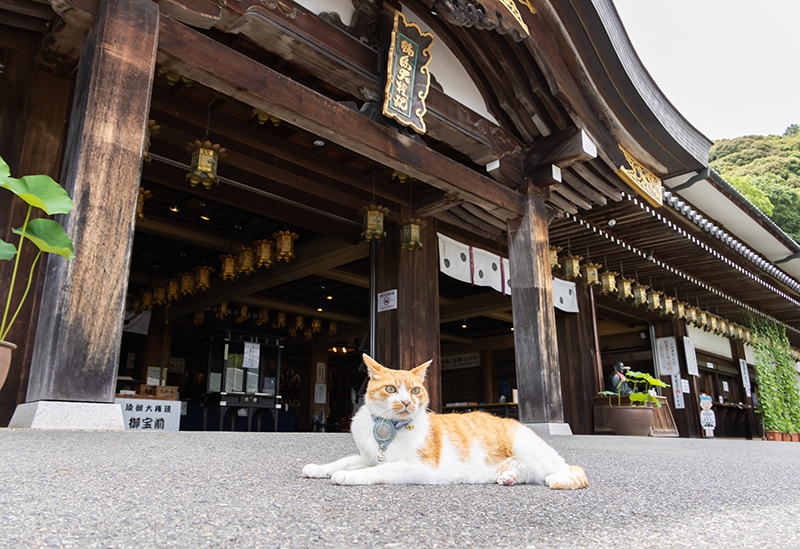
point(139, 490)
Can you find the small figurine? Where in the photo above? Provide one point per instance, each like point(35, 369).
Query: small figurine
point(617, 383)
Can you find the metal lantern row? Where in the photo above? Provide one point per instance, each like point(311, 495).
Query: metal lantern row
point(152, 130)
point(639, 295)
point(205, 159)
point(554, 264)
point(608, 282)
point(264, 117)
point(667, 306)
point(654, 300)
point(264, 255)
point(229, 270)
point(624, 289)
point(589, 273)
point(571, 267)
point(144, 195)
point(411, 234)
point(246, 263)
point(284, 245)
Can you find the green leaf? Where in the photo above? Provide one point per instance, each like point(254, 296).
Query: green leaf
point(608, 394)
point(7, 251)
point(39, 191)
point(49, 236)
point(4, 171)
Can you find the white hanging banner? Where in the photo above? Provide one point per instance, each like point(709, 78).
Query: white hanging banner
point(668, 364)
point(677, 392)
point(454, 259)
point(691, 357)
point(564, 296)
point(745, 376)
point(473, 265)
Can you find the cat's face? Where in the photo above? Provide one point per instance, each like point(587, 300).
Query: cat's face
point(395, 394)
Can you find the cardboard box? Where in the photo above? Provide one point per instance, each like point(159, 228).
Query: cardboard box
point(166, 393)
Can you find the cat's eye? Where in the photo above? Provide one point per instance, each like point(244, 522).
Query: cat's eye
point(415, 391)
point(391, 389)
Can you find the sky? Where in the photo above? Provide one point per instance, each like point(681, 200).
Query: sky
point(730, 67)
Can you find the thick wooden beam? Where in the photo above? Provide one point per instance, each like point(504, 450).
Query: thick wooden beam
point(435, 202)
point(312, 258)
point(80, 324)
point(298, 309)
point(203, 14)
point(479, 305)
point(214, 65)
point(538, 373)
point(565, 148)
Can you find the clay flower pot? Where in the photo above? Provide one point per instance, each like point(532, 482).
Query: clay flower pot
point(631, 420)
point(773, 435)
point(6, 349)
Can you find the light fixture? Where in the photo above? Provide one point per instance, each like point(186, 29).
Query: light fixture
point(691, 315)
point(228, 271)
point(611, 222)
point(263, 316)
point(147, 299)
point(702, 320)
point(589, 273)
point(373, 221)
point(284, 245)
point(151, 130)
point(299, 322)
point(624, 290)
point(246, 263)
point(264, 117)
point(608, 282)
point(222, 311)
point(174, 208)
point(205, 159)
point(316, 324)
point(187, 283)
point(242, 314)
point(571, 267)
point(411, 234)
point(319, 308)
point(173, 289)
point(206, 215)
point(307, 333)
point(144, 195)
point(199, 317)
point(650, 257)
point(554, 264)
point(654, 300)
point(280, 320)
point(135, 305)
point(319, 142)
point(174, 77)
point(680, 310)
point(667, 306)
point(333, 328)
point(713, 323)
point(464, 324)
point(639, 294)
point(159, 295)
point(264, 255)
point(202, 277)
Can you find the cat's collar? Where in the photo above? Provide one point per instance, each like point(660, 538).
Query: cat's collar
point(384, 431)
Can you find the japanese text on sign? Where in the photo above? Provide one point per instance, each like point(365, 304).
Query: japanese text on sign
point(150, 415)
point(668, 364)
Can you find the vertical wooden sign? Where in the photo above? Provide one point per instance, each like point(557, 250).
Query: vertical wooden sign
point(407, 76)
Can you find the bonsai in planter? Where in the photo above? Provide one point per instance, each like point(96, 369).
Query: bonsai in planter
point(636, 418)
point(38, 191)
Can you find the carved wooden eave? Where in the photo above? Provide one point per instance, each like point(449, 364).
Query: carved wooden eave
point(621, 90)
point(504, 16)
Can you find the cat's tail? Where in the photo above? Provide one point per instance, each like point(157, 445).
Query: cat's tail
point(571, 478)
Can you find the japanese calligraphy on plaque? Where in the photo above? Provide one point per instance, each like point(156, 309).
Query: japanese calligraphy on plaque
point(407, 76)
point(641, 180)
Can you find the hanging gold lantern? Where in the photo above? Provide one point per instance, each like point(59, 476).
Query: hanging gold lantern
point(713, 324)
point(280, 321)
point(263, 316)
point(174, 77)
point(242, 314)
point(722, 327)
point(333, 328)
point(639, 295)
point(246, 263)
point(228, 267)
point(571, 266)
point(173, 289)
point(147, 299)
point(608, 282)
point(691, 315)
point(144, 195)
point(222, 311)
point(264, 257)
point(680, 310)
point(199, 317)
point(264, 117)
point(135, 305)
point(554, 264)
point(205, 158)
point(654, 300)
point(748, 335)
point(316, 324)
point(307, 333)
point(667, 308)
point(292, 331)
point(624, 290)
point(411, 234)
point(284, 245)
point(202, 277)
point(373, 221)
point(187, 283)
point(702, 319)
point(399, 176)
point(740, 333)
point(151, 130)
point(589, 272)
point(299, 322)
point(159, 295)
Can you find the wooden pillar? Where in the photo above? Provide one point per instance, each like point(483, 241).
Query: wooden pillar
point(535, 345)
point(33, 108)
point(751, 424)
point(487, 377)
point(409, 335)
point(80, 324)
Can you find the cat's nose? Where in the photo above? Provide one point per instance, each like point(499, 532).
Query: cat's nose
point(405, 402)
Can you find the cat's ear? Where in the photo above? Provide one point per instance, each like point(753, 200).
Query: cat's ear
point(373, 366)
point(422, 370)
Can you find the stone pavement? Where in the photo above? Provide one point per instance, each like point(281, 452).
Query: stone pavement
point(140, 490)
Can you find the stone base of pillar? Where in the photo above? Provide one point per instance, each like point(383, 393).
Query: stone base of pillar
point(550, 428)
point(46, 414)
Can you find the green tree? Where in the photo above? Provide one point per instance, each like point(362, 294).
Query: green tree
point(792, 131)
point(752, 193)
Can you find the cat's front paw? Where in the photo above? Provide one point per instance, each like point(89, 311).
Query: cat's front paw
point(349, 478)
point(314, 471)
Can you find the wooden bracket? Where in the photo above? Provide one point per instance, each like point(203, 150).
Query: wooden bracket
point(565, 148)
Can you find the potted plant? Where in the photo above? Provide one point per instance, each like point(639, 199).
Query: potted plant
point(38, 191)
point(635, 418)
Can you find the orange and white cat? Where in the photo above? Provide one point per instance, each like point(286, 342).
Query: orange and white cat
point(400, 442)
